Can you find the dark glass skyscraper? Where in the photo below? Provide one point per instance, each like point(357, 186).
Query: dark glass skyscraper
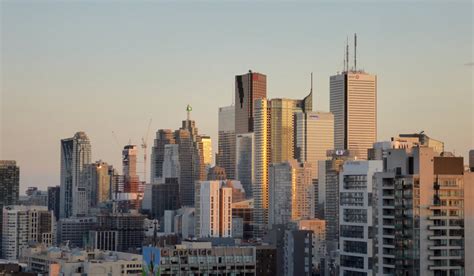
point(9, 187)
point(248, 88)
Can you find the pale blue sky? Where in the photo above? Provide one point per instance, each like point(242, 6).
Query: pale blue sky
point(103, 66)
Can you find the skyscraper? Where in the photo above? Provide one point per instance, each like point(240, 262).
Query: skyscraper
point(353, 101)
point(471, 160)
point(96, 179)
point(245, 161)
point(75, 153)
point(355, 212)
point(207, 150)
point(163, 137)
point(423, 214)
point(129, 167)
point(226, 145)
point(262, 155)
point(290, 197)
point(273, 143)
point(248, 88)
point(215, 209)
point(314, 137)
point(9, 187)
point(54, 194)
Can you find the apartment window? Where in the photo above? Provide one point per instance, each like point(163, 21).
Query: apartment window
point(350, 231)
point(355, 215)
point(355, 247)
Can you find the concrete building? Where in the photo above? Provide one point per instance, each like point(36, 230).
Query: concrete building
point(314, 137)
point(356, 216)
point(23, 225)
point(34, 198)
point(353, 101)
point(215, 210)
point(53, 200)
point(421, 214)
point(328, 197)
point(216, 173)
point(75, 230)
point(318, 227)
point(129, 226)
point(266, 260)
point(248, 88)
point(129, 168)
point(245, 161)
point(203, 259)
point(290, 192)
point(64, 261)
point(298, 254)
point(75, 153)
point(408, 141)
point(225, 157)
point(244, 210)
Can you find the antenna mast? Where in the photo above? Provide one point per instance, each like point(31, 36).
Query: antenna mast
point(355, 52)
point(311, 82)
point(347, 54)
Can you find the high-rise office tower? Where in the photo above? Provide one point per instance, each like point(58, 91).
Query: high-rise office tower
point(23, 225)
point(245, 161)
point(353, 101)
point(163, 137)
point(273, 143)
point(290, 196)
point(75, 153)
point(314, 137)
point(9, 187)
point(248, 88)
point(422, 214)
point(53, 200)
point(171, 166)
point(355, 213)
point(129, 167)
point(207, 151)
point(214, 206)
point(226, 145)
point(96, 179)
point(187, 166)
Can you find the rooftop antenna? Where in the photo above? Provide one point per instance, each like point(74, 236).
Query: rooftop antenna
point(311, 91)
point(347, 54)
point(355, 52)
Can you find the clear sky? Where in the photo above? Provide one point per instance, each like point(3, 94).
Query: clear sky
point(103, 66)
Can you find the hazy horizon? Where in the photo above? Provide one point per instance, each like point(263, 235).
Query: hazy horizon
point(111, 66)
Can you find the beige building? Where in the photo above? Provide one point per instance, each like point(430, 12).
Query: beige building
point(353, 101)
point(422, 204)
point(318, 227)
point(214, 208)
point(56, 261)
point(207, 151)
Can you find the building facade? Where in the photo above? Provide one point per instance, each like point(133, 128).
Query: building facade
point(23, 225)
point(420, 215)
point(248, 88)
point(215, 210)
point(75, 154)
point(226, 144)
point(353, 101)
point(290, 192)
point(356, 216)
point(245, 162)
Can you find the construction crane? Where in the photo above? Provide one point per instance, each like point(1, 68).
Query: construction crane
point(144, 147)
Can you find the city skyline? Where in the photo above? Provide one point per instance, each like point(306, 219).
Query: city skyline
point(63, 94)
